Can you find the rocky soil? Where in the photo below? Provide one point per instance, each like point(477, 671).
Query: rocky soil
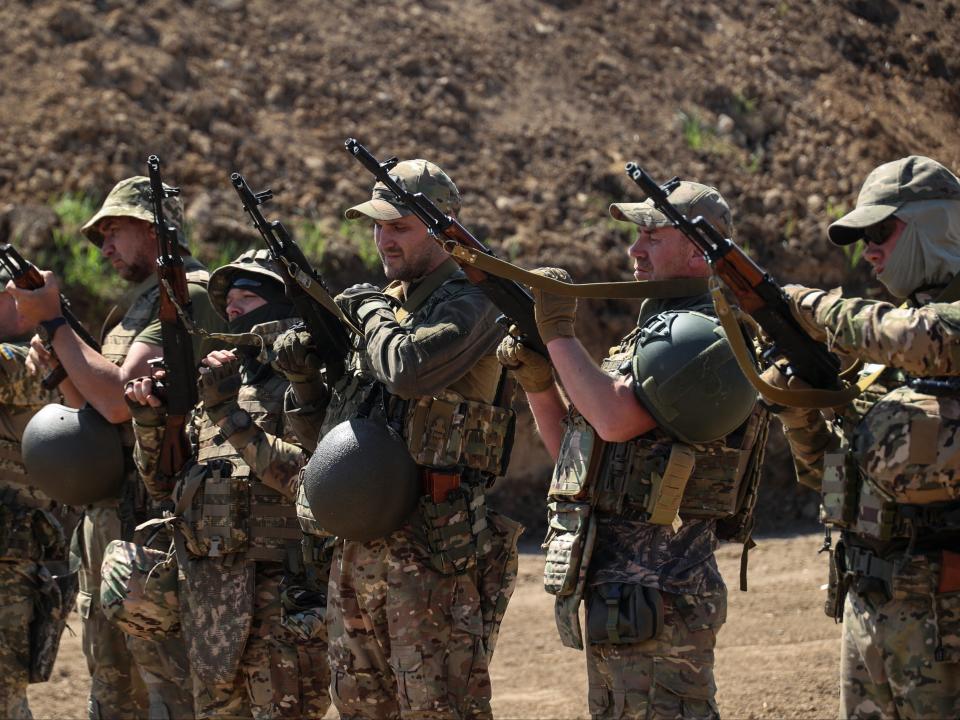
point(532, 106)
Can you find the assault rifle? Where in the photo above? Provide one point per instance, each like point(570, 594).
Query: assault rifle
point(305, 287)
point(757, 293)
point(179, 384)
point(510, 297)
point(26, 276)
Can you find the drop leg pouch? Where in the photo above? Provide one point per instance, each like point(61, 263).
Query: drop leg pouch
point(620, 613)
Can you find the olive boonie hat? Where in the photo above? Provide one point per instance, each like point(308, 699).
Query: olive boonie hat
point(416, 176)
point(132, 198)
point(891, 186)
point(257, 263)
point(690, 198)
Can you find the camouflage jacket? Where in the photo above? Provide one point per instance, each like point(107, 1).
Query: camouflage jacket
point(442, 336)
point(266, 447)
point(633, 551)
point(920, 342)
point(22, 534)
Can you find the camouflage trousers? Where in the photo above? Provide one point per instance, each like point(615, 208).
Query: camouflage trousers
point(281, 674)
point(18, 590)
point(887, 663)
point(405, 640)
point(130, 677)
point(670, 676)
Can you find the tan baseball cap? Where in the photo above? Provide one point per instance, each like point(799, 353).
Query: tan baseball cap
point(133, 198)
point(888, 188)
point(690, 198)
point(416, 176)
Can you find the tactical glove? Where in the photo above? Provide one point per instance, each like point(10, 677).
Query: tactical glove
point(296, 356)
point(804, 302)
point(555, 314)
point(145, 415)
point(359, 300)
point(792, 418)
point(533, 371)
point(219, 387)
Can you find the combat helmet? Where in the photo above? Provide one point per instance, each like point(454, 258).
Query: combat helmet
point(361, 482)
point(73, 456)
point(251, 262)
point(686, 376)
point(133, 198)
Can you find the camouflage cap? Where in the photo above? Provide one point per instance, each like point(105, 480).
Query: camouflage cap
point(251, 262)
point(132, 198)
point(416, 176)
point(690, 198)
point(888, 188)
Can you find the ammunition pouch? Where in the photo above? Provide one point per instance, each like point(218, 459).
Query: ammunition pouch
point(139, 591)
point(838, 490)
point(569, 544)
point(449, 431)
point(456, 529)
point(58, 589)
point(231, 513)
point(838, 583)
point(620, 613)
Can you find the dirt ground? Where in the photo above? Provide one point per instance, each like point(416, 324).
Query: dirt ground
point(777, 655)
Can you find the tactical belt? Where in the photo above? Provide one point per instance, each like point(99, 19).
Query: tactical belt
point(863, 563)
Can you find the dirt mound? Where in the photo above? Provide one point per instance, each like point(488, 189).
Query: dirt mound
point(533, 107)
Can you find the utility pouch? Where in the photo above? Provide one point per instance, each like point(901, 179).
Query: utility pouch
point(838, 582)
point(455, 528)
point(57, 595)
point(570, 536)
point(947, 608)
point(580, 454)
point(139, 590)
point(303, 610)
point(876, 515)
point(618, 613)
point(838, 499)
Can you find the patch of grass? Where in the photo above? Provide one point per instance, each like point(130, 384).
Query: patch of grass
point(790, 228)
point(835, 212)
point(854, 252)
point(744, 104)
point(752, 165)
point(226, 253)
point(312, 239)
point(360, 236)
point(700, 137)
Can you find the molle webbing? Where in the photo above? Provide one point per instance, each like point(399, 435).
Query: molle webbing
point(448, 431)
point(11, 463)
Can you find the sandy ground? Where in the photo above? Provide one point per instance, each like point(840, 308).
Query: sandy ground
point(777, 655)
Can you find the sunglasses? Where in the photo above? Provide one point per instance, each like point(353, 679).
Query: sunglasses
point(878, 234)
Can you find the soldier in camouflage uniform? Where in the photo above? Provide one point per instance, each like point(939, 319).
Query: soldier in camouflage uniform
point(413, 616)
point(886, 464)
point(253, 599)
point(30, 527)
point(652, 450)
point(123, 230)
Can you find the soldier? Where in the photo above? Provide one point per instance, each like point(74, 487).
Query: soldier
point(254, 603)
point(30, 522)
point(413, 616)
point(123, 230)
point(652, 449)
point(886, 464)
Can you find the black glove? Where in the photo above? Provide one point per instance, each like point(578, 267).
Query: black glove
point(219, 387)
point(358, 301)
point(296, 357)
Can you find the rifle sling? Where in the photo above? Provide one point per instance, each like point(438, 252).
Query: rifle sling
point(319, 295)
point(659, 289)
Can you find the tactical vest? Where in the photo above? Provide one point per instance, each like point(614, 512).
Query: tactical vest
point(232, 512)
point(892, 433)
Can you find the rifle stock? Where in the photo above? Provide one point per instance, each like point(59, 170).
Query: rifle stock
point(508, 296)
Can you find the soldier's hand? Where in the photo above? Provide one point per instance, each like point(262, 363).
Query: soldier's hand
point(219, 383)
point(533, 371)
point(804, 302)
point(792, 418)
point(39, 357)
point(38, 305)
point(296, 356)
point(555, 314)
point(146, 407)
point(358, 296)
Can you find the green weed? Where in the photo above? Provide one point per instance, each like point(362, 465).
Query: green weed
point(854, 251)
point(360, 236)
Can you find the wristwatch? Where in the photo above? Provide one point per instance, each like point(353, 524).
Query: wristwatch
point(51, 326)
point(236, 421)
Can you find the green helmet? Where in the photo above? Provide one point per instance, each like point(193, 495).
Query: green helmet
point(252, 262)
point(361, 482)
point(686, 376)
point(73, 456)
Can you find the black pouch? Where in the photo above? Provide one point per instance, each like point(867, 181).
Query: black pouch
point(838, 583)
point(619, 613)
point(58, 588)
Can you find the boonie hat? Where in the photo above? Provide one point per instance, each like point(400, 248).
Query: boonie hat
point(133, 198)
point(888, 188)
point(690, 198)
point(415, 176)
